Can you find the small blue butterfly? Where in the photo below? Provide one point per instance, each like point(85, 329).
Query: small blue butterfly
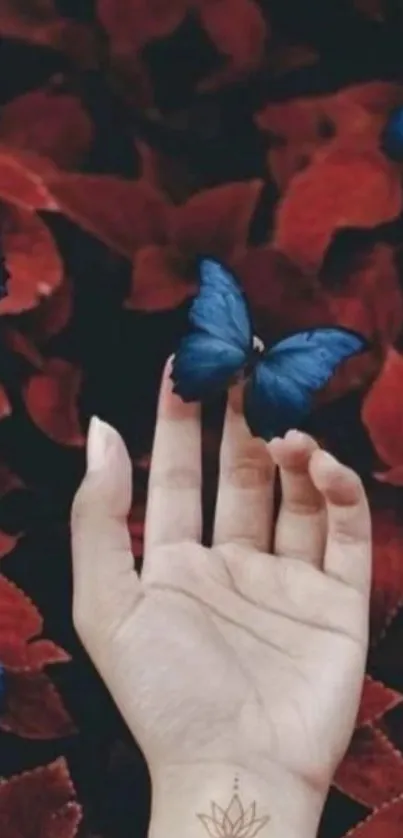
point(281, 379)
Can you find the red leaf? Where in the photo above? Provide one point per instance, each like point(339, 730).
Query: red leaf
point(18, 20)
point(370, 300)
point(159, 281)
point(20, 344)
point(124, 214)
point(239, 31)
point(32, 259)
point(53, 313)
point(392, 476)
point(345, 188)
point(372, 771)
point(49, 123)
point(281, 297)
point(18, 615)
point(168, 173)
point(23, 179)
point(39, 804)
point(34, 708)
point(382, 410)
point(301, 128)
point(375, 9)
point(387, 581)
point(38, 22)
point(386, 822)
point(216, 222)
point(5, 404)
point(17, 655)
point(8, 481)
point(7, 543)
point(376, 700)
point(51, 398)
point(131, 25)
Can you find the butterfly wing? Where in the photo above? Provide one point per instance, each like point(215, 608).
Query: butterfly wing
point(220, 337)
point(279, 393)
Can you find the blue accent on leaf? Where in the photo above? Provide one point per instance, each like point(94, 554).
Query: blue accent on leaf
point(392, 139)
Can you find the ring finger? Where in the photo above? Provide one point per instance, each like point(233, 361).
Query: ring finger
point(301, 525)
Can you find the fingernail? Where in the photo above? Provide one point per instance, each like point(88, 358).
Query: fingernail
point(274, 441)
point(295, 435)
point(98, 443)
point(170, 404)
point(328, 459)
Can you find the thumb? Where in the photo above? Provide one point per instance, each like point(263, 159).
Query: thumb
point(105, 583)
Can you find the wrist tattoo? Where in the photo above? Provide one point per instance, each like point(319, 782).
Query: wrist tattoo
point(235, 821)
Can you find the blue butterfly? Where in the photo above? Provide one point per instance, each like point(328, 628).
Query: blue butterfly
point(220, 347)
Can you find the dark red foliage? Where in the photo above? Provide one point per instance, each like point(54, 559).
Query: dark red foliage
point(376, 700)
point(23, 179)
point(32, 259)
point(39, 804)
point(388, 820)
point(387, 583)
point(9, 482)
point(382, 411)
point(38, 22)
point(350, 118)
point(343, 188)
point(370, 299)
point(49, 123)
point(372, 771)
point(34, 708)
point(123, 214)
point(214, 222)
point(237, 29)
point(51, 400)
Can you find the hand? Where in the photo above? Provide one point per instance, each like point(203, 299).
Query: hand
point(230, 659)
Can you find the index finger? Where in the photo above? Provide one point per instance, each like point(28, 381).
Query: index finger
point(174, 490)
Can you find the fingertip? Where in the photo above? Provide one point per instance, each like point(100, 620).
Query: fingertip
point(339, 484)
point(292, 451)
point(108, 459)
point(274, 447)
point(170, 404)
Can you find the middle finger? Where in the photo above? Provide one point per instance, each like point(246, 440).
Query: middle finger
point(246, 483)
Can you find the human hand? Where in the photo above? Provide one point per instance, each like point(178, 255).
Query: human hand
point(230, 663)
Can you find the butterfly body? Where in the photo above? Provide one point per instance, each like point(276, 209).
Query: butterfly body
point(221, 348)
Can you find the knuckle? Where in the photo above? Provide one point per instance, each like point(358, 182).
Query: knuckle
point(174, 477)
point(249, 469)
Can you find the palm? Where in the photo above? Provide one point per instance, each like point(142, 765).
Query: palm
point(272, 676)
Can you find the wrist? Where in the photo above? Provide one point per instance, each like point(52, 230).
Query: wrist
point(201, 800)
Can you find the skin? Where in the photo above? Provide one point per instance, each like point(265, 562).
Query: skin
point(241, 660)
